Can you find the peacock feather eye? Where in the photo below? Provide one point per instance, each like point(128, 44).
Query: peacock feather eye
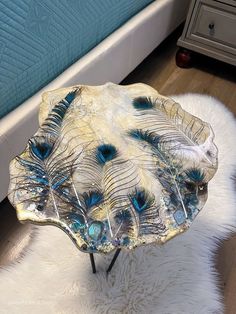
point(141, 200)
point(92, 198)
point(40, 148)
point(143, 103)
point(105, 153)
point(195, 175)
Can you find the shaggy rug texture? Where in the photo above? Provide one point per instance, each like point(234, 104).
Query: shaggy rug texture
point(177, 278)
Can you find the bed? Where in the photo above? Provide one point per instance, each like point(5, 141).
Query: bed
point(89, 42)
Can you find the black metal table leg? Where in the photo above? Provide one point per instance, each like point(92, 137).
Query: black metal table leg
point(113, 260)
point(92, 262)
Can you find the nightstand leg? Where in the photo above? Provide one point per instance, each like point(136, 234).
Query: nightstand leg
point(184, 58)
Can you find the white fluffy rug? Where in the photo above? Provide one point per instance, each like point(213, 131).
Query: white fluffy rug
point(179, 277)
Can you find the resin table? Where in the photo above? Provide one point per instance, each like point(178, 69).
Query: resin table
point(114, 167)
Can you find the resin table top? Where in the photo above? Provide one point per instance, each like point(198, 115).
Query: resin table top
point(114, 167)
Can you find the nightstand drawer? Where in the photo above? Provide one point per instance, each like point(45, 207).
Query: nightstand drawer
point(214, 25)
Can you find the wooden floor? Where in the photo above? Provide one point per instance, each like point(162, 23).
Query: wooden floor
point(160, 71)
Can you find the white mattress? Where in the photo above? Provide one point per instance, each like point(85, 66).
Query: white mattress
point(112, 60)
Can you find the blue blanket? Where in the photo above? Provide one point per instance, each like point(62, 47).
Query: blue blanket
point(40, 39)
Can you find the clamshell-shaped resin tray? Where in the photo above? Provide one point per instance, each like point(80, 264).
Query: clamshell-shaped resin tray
point(114, 166)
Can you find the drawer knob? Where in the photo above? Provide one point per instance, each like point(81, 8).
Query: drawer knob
point(211, 26)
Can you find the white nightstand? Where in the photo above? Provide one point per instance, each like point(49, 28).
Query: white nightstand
point(210, 29)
